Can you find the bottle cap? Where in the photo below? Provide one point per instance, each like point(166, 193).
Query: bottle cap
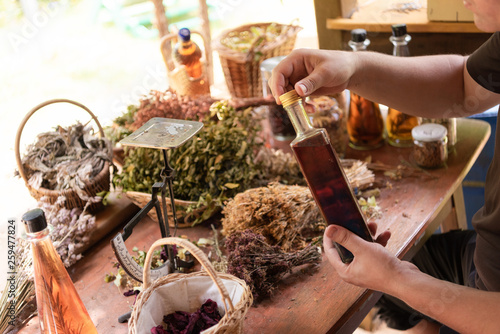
point(34, 221)
point(185, 34)
point(358, 35)
point(399, 30)
point(429, 132)
point(289, 98)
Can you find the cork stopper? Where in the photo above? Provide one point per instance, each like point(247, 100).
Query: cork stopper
point(289, 98)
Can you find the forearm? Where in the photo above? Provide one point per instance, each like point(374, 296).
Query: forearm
point(429, 86)
point(464, 309)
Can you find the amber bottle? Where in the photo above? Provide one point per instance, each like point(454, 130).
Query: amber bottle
point(398, 124)
point(60, 309)
point(188, 53)
point(365, 124)
point(325, 177)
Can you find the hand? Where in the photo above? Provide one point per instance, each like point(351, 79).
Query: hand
point(312, 71)
point(373, 267)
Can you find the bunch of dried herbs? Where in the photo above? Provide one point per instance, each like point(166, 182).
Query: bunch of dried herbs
point(261, 265)
point(68, 158)
point(286, 216)
point(212, 167)
point(181, 322)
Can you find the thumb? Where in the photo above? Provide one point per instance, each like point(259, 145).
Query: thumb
point(344, 237)
point(309, 84)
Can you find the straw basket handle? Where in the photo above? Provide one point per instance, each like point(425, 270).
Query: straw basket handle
point(199, 255)
point(167, 56)
point(27, 117)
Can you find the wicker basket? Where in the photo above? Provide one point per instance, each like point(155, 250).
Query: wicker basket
point(101, 181)
point(242, 70)
point(184, 219)
point(178, 78)
point(162, 296)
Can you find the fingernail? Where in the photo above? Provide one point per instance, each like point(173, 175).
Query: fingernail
point(303, 88)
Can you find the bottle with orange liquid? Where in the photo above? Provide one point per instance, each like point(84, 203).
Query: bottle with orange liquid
point(188, 53)
point(325, 177)
point(60, 309)
point(398, 124)
point(365, 124)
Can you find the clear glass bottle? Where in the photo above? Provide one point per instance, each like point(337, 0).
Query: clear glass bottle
point(398, 124)
point(365, 124)
point(188, 53)
point(60, 309)
point(324, 175)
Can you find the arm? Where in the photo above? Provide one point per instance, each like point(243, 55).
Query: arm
point(429, 86)
point(464, 309)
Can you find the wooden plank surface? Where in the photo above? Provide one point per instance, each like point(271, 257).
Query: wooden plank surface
point(308, 301)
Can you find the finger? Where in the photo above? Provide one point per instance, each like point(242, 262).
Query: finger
point(309, 84)
point(330, 249)
point(383, 238)
point(345, 238)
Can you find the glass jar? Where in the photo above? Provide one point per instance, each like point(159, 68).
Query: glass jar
point(324, 112)
point(430, 145)
point(450, 124)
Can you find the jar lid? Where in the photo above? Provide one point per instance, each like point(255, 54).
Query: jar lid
point(270, 63)
point(429, 132)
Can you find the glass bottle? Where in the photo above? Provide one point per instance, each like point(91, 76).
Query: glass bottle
point(324, 175)
point(60, 309)
point(365, 124)
point(188, 53)
point(398, 124)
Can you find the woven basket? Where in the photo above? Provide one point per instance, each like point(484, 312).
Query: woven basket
point(101, 181)
point(242, 70)
point(184, 219)
point(162, 296)
point(178, 78)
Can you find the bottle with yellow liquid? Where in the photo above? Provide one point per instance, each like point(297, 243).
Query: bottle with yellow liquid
point(365, 124)
point(398, 124)
point(188, 53)
point(60, 309)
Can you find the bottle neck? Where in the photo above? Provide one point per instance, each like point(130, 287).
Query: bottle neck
point(38, 236)
point(401, 45)
point(299, 118)
point(359, 46)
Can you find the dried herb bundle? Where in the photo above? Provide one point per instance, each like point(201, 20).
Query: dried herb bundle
point(261, 265)
point(285, 215)
point(68, 158)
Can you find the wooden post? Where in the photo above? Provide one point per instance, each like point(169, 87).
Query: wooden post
point(326, 9)
point(205, 30)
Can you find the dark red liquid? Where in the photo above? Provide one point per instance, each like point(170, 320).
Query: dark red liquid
point(329, 187)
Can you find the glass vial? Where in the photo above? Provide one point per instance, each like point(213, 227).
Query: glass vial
point(324, 175)
point(188, 53)
point(60, 309)
point(430, 145)
point(365, 124)
point(398, 124)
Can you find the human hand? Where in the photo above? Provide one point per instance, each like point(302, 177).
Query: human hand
point(312, 71)
point(373, 267)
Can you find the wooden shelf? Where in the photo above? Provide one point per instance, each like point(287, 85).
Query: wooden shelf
point(378, 17)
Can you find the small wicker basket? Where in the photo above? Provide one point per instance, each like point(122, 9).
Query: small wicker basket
point(242, 69)
point(162, 296)
point(101, 181)
point(178, 78)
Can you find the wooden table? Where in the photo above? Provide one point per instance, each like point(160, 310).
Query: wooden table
point(312, 301)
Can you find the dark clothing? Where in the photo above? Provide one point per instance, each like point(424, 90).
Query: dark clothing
point(446, 256)
point(470, 258)
point(484, 67)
